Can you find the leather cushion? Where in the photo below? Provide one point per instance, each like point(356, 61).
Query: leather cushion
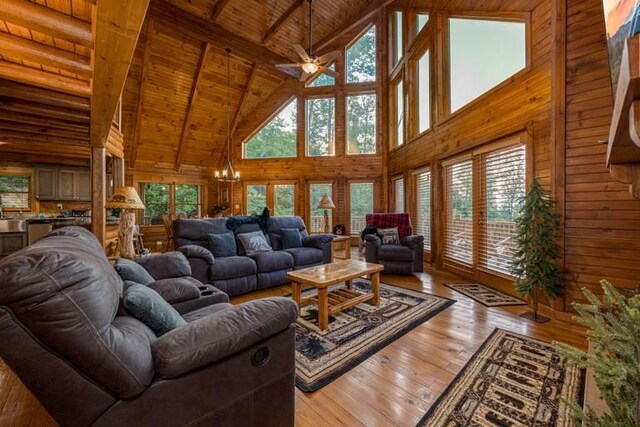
point(205, 311)
point(273, 261)
point(166, 265)
point(151, 309)
point(395, 253)
point(232, 267)
point(305, 256)
point(177, 289)
point(132, 271)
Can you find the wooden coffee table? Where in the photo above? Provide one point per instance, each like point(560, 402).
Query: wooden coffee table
point(335, 301)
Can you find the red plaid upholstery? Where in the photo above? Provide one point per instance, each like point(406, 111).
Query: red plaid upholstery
point(391, 220)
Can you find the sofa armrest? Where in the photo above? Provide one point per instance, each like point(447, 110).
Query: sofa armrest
point(167, 265)
point(372, 244)
point(176, 290)
point(373, 240)
point(210, 339)
point(416, 244)
point(413, 242)
point(195, 251)
point(317, 240)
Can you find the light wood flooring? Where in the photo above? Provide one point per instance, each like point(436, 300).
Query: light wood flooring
point(394, 387)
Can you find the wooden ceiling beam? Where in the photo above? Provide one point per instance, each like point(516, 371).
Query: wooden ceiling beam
point(117, 27)
point(48, 21)
point(273, 29)
point(43, 121)
point(42, 54)
point(16, 136)
point(43, 110)
point(193, 96)
point(217, 9)
point(141, 91)
point(42, 130)
point(186, 24)
point(43, 96)
point(44, 79)
point(367, 13)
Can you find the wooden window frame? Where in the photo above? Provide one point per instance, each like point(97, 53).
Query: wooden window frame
point(270, 193)
point(350, 45)
point(412, 202)
point(347, 196)
point(172, 197)
point(333, 96)
point(308, 209)
point(30, 192)
point(267, 122)
point(394, 195)
point(351, 94)
point(394, 144)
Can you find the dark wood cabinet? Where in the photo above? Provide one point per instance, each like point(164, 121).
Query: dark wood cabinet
point(12, 242)
point(63, 184)
point(46, 183)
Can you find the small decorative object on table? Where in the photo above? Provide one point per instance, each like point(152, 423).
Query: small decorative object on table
point(127, 199)
point(339, 230)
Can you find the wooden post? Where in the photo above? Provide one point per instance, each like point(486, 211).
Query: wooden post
point(98, 193)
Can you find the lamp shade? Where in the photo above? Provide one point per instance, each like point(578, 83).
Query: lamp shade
point(326, 203)
point(125, 198)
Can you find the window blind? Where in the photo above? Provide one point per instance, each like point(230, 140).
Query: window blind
point(14, 191)
point(422, 217)
point(399, 194)
point(458, 205)
point(504, 186)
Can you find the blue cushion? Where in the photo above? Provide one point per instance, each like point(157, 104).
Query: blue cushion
point(132, 271)
point(150, 308)
point(291, 238)
point(222, 245)
point(254, 242)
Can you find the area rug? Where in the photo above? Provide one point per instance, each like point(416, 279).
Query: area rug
point(485, 295)
point(358, 332)
point(512, 380)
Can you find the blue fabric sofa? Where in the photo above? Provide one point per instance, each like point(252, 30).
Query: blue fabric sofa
point(240, 274)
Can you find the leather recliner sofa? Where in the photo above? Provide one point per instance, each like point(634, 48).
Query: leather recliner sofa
point(90, 364)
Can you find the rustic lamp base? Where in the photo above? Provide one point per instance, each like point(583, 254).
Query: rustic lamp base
point(125, 235)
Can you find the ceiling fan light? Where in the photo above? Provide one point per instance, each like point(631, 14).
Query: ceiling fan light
point(310, 67)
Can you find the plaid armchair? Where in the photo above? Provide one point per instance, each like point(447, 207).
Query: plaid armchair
point(406, 258)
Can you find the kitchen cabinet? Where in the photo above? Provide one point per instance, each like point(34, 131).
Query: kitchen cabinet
point(63, 184)
point(46, 184)
point(12, 242)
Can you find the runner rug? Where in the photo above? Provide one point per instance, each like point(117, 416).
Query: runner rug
point(485, 295)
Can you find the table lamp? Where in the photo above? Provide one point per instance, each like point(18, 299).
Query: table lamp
point(127, 199)
point(326, 203)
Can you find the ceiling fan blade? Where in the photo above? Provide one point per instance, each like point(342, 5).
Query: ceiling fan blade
point(304, 76)
point(328, 57)
point(303, 53)
point(288, 65)
point(327, 71)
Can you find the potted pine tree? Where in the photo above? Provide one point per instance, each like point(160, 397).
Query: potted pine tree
point(534, 262)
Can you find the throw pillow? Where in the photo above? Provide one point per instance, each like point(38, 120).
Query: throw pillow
point(291, 238)
point(389, 236)
point(131, 270)
point(254, 242)
point(222, 245)
point(147, 306)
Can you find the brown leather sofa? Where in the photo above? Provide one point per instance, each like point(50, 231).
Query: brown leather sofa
point(90, 364)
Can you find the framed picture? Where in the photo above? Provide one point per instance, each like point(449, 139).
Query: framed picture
point(224, 194)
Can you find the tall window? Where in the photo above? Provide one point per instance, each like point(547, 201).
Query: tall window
point(256, 198)
point(398, 43)
point(284, 199)
point(504, 181)
point(483, 53)
point(423, 95)
point(361, 58)
point(458, 205)
point(14, 191)
point(422, 218)
point(398, 98)
point(187, 200)
point(316, 221)
point(361, 203)
point(361, 124)
point(421, 21)
point(157, 201)
point(398, 194)
point(277, 138)
point(321, 126)
point(323, 79)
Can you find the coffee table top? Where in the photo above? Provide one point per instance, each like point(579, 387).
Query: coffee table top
point(333, 273)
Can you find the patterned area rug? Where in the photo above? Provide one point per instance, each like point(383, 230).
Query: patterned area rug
point(485, 295)
point(358, 332)
point(512, 380)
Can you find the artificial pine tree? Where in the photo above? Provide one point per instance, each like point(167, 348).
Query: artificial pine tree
point(533, 264)
point(614, 333)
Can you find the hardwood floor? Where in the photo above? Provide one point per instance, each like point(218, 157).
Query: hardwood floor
point(394, 387)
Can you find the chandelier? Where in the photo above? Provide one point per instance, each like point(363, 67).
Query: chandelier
point(228, 173)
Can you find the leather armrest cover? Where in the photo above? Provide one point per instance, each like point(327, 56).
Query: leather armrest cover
point(195, 251)
point(413, 242)
point(215, 337)
point(316, 240)
point(373, 239)
point(177, 290)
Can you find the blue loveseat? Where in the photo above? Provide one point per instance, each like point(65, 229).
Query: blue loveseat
point(240, 274)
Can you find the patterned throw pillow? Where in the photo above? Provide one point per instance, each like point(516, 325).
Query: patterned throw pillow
point(389, 236)
point(254, 242)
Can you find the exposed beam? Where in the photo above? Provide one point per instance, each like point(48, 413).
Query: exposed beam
point(16, 136)
point(32, 120)
point(117, 26)
point(200, 29)
point(273, 29)
point(44, 79)
point(42, 129)
point(217, 9)
point(365, 14)
point(192, 102)
point(43, 110)
point(48, 21)
point(44, 54)
point(141, 90)
point(43, 96)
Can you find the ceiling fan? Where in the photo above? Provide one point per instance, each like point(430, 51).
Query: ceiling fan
point(310, 63)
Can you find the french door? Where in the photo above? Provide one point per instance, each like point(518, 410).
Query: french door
point(279, 196)
point(483, 194)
